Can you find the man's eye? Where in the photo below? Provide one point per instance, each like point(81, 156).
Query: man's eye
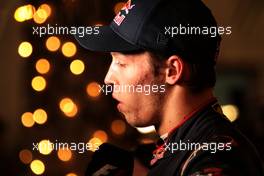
point(120, 64)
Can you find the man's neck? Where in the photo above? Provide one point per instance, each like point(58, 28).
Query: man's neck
point(178, 105)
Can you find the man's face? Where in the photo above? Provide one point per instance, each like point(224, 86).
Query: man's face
point(135, 70)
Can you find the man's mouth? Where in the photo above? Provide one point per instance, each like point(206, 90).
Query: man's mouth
point(118, 101)
point(119, 106)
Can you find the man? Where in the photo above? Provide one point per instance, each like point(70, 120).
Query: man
point(173, 45)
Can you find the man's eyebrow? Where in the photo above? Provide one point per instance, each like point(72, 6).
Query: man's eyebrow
point(116, 55)
point(112, 53)
point(119, 55)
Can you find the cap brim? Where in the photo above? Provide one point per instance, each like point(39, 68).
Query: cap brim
point(105, 41)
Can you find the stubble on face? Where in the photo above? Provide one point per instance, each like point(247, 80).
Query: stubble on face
point(138, 108)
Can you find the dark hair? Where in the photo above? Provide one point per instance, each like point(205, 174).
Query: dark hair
point(201, 75)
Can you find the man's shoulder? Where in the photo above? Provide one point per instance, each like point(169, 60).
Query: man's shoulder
point(220, 157)
point(208, 144)
point(222, 148)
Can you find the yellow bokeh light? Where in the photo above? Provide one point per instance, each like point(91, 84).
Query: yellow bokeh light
point(64, 154)
point(94, 143)
point(40, 116)
point(46, 8)
point(73, 112)
point(93, 89)
point(40, 16)
point(38, 83)
point(77, 67)
point(68, 49)
point(25, 49)
point(71, 174)
point(68, 107)
point(53, 43)
point(27, 119)
point(45, 147)
point(43, 66)
point(231, 112)
point(37, 167)
point(118, 127)
point(25, 156)
point(24, 13)
point(100, 134)
point(118, 7)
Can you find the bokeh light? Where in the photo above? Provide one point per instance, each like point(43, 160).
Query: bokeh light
point(94, 143)
point(64, 154)
point(25, 156)
point(37, 167)
point(45, 147)
point(73, 112)
point(25, 49)
point(118, 127)
point(38, 83)
point(71, 174)
point(42, 66)
point(118, 7)
point(68, 49)
point(93, 89)
point(53, 43)
point(24, 13)
point(77, 67)
point(231, 112)
point(27, 119)
point(46, 8)
point(68, 107)
point(100, 134)
point(40, 116)
point(40, 16)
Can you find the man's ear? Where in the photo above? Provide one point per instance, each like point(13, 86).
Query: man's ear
point(174, 69)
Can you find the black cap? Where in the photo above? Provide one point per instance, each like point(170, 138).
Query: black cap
point(148, 25)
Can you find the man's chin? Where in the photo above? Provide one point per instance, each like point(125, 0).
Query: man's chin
point(134, 122)
point(130, 120)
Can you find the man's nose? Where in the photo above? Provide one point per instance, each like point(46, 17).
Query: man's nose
point(109, 77)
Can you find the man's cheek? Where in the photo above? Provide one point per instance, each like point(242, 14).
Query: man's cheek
point(133, 102)
point(131, 76)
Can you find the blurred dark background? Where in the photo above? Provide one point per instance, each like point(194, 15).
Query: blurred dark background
point(51, 93)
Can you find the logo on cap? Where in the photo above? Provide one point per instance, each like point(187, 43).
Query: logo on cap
point(119, 18)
